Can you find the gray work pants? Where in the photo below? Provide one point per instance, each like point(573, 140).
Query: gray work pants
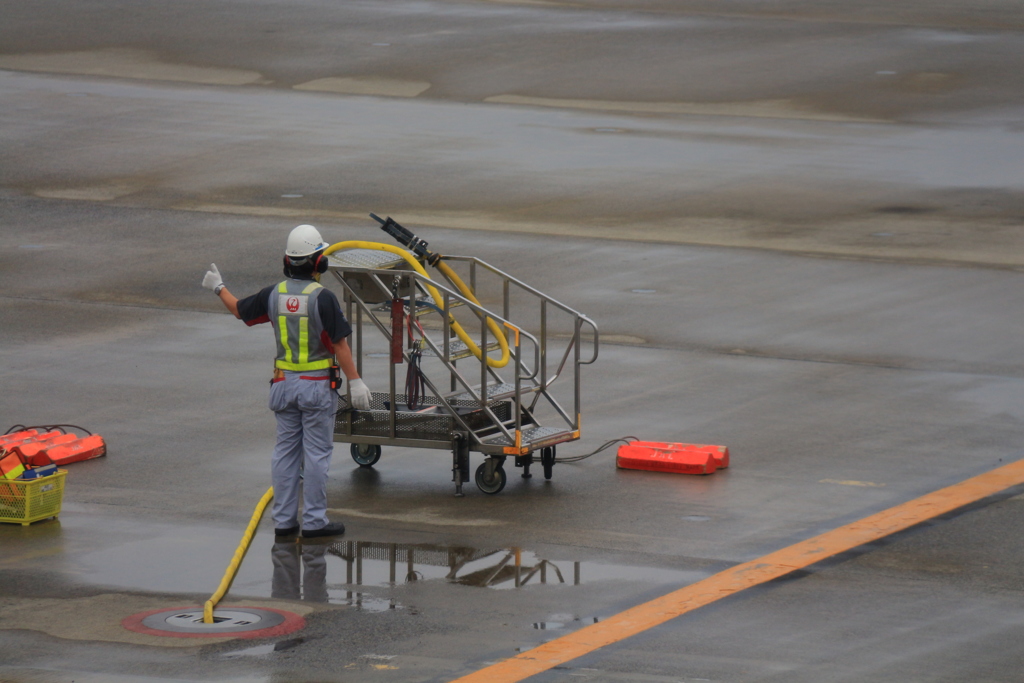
point(305, 411)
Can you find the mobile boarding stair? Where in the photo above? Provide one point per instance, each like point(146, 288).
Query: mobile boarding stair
point(458, 395)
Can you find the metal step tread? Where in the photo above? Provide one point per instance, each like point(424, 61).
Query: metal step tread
point(495, 392)
point(457, 349)
point(534, 435)
point(424, 306)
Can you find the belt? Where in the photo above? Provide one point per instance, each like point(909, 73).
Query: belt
point(279, 376)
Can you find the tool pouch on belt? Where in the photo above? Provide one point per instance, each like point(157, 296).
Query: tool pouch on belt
point(335, 377)
point(278, 376)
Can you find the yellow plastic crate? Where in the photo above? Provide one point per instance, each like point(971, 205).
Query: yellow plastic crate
point(23, 501)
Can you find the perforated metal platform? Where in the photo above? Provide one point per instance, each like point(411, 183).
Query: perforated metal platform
point(428, 422)
point(370, 259)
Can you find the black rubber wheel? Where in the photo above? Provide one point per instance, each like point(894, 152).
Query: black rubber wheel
point(365, 455)
point(497, 482)
point(547, 461)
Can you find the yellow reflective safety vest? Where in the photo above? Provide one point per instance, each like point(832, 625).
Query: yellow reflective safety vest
point(296, 319)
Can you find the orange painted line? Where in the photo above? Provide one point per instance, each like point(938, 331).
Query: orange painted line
point(743, 576)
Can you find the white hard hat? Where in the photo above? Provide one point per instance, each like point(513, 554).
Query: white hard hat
point(303, 241)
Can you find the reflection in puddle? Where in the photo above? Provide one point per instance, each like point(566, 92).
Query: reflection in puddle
point(555, 625)
point(560, 621)
point(368, 563)
point(365, 602)
point(288, 583)
point(548, 625)
point(300, 573)
point(301, 569)
point(257, 651)
point(260, 650)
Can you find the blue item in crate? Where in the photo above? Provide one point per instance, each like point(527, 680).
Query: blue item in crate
point(37, 472)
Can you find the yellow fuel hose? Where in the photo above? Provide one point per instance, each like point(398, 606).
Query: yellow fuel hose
point(236, 561)
point(448, 272)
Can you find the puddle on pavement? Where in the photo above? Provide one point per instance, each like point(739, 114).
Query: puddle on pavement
point(370, 563)
point(567, 621)
point(263, 650)
point(359, 574)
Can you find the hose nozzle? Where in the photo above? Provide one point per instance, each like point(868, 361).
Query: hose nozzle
point(403, 236)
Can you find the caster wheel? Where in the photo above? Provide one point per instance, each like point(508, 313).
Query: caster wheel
point(365, 455)
point(495, 484)
point(547, 461)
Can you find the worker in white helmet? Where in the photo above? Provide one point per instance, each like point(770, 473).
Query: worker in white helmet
point(311, 332)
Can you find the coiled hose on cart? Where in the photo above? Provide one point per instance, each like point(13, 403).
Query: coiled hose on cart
point(499, 335)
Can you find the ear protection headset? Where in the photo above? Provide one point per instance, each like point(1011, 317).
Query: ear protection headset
point(320, 263)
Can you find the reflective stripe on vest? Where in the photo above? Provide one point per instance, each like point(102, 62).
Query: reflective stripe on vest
point(294, 313)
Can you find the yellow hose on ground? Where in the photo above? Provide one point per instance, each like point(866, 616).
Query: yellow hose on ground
point(444, 268)
point(236, 561)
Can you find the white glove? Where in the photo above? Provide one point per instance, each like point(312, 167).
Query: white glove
point(360, 394)
point(212, 280)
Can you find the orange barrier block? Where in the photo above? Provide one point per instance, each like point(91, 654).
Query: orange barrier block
point(11, 440)
point(19, 437)
point(30, 449)
point(680, 458)
point(81, 449)
point(719, 453)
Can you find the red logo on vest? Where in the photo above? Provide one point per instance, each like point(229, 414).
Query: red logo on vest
point(292, 304)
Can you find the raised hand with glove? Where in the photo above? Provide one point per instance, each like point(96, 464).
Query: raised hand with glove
point(215, 283)
point(212, 280)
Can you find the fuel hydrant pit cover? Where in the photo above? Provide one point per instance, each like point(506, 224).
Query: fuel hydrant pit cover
point(240, 622)
point(224, 621)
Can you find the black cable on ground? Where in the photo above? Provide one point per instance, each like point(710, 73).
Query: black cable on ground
point(23, 428)
point(605, 446)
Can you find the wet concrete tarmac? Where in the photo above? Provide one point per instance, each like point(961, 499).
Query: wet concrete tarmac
point(796, 224)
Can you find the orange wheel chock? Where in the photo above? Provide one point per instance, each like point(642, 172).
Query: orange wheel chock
point(680, 458)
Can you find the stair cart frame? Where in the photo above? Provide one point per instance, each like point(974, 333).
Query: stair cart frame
point(470, 408)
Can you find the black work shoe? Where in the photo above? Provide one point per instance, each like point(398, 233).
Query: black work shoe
point(290, 531)
point(332, 529)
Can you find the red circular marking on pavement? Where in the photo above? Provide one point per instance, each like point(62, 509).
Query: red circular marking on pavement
point(292, 622)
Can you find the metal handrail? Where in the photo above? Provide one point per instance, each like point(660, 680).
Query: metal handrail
point(472, 260)
point(574, 342)
point(481, 311)
point(517, 282)
point(538, 380)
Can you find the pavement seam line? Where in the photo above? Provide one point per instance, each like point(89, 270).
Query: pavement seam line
point(748, 574)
